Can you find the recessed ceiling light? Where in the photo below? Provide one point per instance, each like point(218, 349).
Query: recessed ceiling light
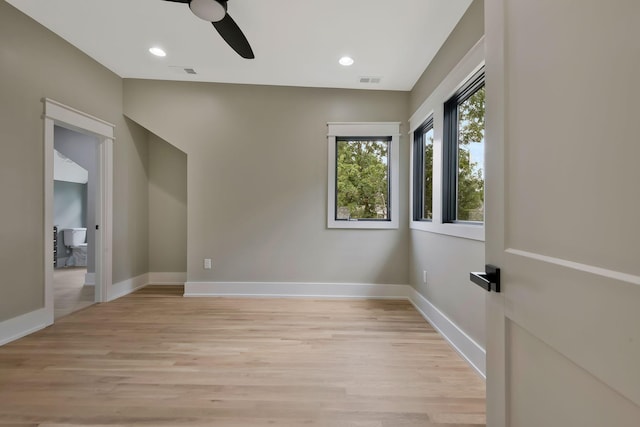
point(157, 51)
point(346, 61)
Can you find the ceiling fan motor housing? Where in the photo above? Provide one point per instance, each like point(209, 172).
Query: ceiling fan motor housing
point(209, 10)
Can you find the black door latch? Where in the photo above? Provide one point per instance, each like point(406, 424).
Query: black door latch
point(489, 280)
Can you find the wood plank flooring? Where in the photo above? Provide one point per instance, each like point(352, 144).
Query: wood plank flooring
point(69, 291)
point(154, 358)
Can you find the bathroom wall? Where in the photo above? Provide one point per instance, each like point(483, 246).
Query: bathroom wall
point(69, 211)
point(82, 149)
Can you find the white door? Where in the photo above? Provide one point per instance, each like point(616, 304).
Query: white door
point(563, 212)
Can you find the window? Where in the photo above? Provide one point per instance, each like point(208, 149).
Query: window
point(447, 153)
point(423, 172)
point(362, 178)
point(463, 153)
point(363, 175)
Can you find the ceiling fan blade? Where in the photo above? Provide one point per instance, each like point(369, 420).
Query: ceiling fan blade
point(233, 35)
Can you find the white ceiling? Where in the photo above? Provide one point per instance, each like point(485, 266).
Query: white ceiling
point(65, 169)
point(296, 42)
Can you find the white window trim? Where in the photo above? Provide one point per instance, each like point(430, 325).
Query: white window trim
point(359, 129)
point(434, 105)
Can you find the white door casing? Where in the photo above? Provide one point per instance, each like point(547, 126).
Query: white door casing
point(57, 114)
point(563, 337)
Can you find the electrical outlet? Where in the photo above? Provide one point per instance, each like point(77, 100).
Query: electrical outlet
point(424, 276)
point(207, 263)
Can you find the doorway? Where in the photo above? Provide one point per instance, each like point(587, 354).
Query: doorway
point(75, 188)
point(77, 251)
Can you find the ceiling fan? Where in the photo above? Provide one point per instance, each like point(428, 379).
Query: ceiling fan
point(215, 11)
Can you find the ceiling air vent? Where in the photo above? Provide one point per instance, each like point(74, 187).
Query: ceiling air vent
point(181, 69)
point(370, 80)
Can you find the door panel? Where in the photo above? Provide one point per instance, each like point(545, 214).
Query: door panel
point(592, 320)
point(562, 202)
point(547, 389)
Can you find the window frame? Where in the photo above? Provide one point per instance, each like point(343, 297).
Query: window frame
point(418, 168)
point(473, 61)
point(367, 131)
point(450, 151)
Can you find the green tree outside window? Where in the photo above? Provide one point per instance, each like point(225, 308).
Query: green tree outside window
point(362, 179)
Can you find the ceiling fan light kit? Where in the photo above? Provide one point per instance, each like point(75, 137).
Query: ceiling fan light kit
point(215, 11)
point(209, 10)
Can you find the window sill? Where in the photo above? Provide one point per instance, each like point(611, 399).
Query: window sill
point(462, 230)
point(363, 225)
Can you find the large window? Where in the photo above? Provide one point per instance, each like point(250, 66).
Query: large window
point(447, 155)
point(463, 153)
point(363, 175)
point(423, 172)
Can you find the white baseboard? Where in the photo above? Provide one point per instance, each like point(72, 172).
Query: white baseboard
point(18, 327)
point(471, 351)
point(157, 278)
point(302, 290)
point(90, 279)
point(125, 287)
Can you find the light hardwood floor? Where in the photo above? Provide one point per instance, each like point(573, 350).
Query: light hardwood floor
point(69, 292)
point(156, 359)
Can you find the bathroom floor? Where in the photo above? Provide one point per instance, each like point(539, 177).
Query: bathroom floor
point(70, 293)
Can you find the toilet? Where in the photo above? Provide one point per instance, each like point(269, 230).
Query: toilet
point(75, 239)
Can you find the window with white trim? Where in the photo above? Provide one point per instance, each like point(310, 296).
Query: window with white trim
point(363, 175)
point(455, 109)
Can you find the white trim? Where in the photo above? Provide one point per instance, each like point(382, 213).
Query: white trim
point(47, 223)
point(290, 289)
point(57, 114)
point(470, 350)
point(104, 258)
point(373, 129)
point(598, 271)
point(128, 286)
point(79, 120)
point(90, 279)
point(156, 278)
point(434, 106)
point(18, 327)
point(363, 128)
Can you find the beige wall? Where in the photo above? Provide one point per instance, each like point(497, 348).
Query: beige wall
point(468, 31)
point(257, 180)
point(34, 63)
point(448, 260)
point(167, 207)
point(130, 200)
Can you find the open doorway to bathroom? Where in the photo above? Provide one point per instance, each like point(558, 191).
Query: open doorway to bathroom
point(75, 196)
point(99, 236)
